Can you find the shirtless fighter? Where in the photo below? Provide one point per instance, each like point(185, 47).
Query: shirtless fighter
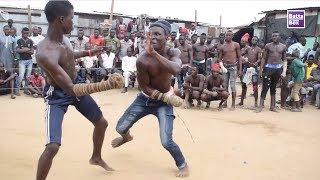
point(56, 57)
point(155, 66)
point(186, 58)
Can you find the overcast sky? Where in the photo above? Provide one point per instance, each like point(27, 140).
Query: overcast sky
point(234, 13)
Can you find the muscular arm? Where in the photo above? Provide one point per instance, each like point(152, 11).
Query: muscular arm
point(9, 78)
point(60, 77)
point(173, 66)
point(80, 54)
point(201, 84)
point(285, 62)
point(264, 59)
point(239, 57)
point(143, 78)
point(220, 54)
point(190, 54)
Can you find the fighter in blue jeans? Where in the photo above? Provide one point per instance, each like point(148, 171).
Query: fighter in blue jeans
point(155, 67)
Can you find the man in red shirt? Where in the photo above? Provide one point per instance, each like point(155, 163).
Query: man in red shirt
point(36, 84)
point(96, 39)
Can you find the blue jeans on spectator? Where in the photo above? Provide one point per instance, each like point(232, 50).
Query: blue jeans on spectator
point(143, 106)
point(24, 66)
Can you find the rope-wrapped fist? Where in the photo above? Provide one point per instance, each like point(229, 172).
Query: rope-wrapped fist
point(172, 99)
point(116, 81)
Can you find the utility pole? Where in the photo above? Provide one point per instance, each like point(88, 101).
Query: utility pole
point(111, 12)
point(29, 17)
point(220, 24)
point(195, 17)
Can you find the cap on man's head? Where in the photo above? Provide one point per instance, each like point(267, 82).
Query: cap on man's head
point(165, 25)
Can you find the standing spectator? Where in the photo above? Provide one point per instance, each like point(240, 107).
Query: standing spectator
point(36, 38)
point(113, 42)
point(293, 38)
point(273, 67)
point(7, 46)
point(313, 50)
point(311, 63)
point(139, 43)
point(300, 45)
point(6, 81)
point(36, 84)
point(132, 26)
point(173, 42)
point(40, 31)
point(121, 29)
point(125, 44)
point(147, 26)
point(115, 45)
point(129, 68)
point(96, 39)
point(297, 71)
point(25, 50)
point(315, 80)
point(81, 41)
point(10, 23)
point(193, 30)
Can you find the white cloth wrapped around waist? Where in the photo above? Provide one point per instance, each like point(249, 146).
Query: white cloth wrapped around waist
point(247, 78)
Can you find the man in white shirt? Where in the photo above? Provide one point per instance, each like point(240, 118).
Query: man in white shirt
point(129, 68)
point(125, 44)
point(106, 63)
point(300, 46)
point(36, 38)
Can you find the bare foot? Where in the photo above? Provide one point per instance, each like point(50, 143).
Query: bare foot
point(101, 163)
point(199, 104)
point(12, 96)
point(274, 110)
point(258, 109)
point(187, 105)
point(207, 106)
point(232, 108)
point(220, 108)
point(184, 172)
point(120, 140)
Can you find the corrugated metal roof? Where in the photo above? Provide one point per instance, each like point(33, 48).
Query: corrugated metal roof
point(285, 10)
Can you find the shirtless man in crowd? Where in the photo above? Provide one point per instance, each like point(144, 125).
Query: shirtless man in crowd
point(229, 57)
point(253, 58)
point(200, 54)
point(186, 58)
point(192, 88)
point(214, 88)
point(273, 67)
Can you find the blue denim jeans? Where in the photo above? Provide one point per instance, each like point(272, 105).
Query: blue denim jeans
point(143, 106)
point(24, 65)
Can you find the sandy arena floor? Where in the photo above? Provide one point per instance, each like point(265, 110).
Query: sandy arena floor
point(239, 145)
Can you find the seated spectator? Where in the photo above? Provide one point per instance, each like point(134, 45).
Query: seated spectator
point(6, 81)
point(25, 49)
point(214, 89)
point(106, 62)
point(36, 84)
point(312, 52)
point(297, 70)
point(95, 39)
point(129, 68)
point(315, 81)
point(311, 63)
point(192, 88)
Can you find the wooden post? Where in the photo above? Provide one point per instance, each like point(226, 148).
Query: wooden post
point(220, 24)
point(111, 12)
point(29, 18)
point(195, 17)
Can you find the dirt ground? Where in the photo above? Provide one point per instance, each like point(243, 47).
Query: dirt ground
point(239, 145)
